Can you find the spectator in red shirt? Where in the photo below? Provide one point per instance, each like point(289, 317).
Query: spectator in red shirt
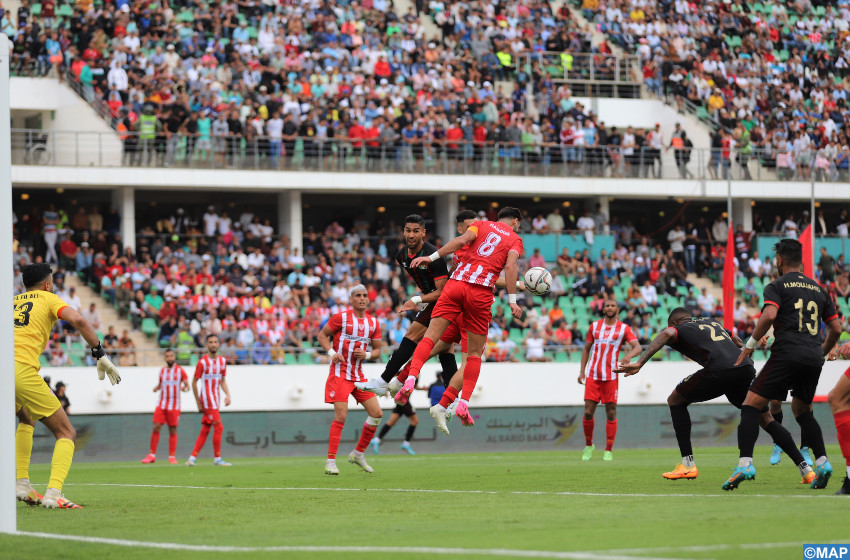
point(68, 252)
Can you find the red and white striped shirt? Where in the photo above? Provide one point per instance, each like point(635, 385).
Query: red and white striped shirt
point(170, 379)
point(607, 341)
point(211, 371)
point(485, 258)
point(351, 333)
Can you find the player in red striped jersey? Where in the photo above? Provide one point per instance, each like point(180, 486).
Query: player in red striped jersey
point(493, 247)
point(605, 338)
point(350, 337)
point(210, 371)
point(172, 380)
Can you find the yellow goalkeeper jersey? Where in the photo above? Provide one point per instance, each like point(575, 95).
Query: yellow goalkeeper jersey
point(36, 312)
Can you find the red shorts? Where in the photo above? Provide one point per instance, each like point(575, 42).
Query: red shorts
point(210, 416)
point(337, 389)
point(471, 301)
point(601, 391)
point(456, 333)
point(168, 417)
point(847, 373)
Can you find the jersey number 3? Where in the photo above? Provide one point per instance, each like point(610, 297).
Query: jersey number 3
point(22, 314)
point(486, 249)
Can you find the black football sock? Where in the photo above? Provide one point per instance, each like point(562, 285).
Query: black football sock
point(384, 429)
point(778, 416)
point(682, 426)
point(782, 437)
point(400, 357)
point(748, 430)
point(449, 364)
point(409, 435)
point(812, 435)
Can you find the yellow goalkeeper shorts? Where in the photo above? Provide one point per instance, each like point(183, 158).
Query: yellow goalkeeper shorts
point(33, 393)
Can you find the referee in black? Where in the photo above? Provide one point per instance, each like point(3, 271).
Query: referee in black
point(794, 305)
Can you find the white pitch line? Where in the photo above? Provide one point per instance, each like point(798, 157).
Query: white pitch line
point(712, 547)
point(449, 491)
point(347, 549)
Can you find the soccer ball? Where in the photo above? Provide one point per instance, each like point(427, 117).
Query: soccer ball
point(538, 280)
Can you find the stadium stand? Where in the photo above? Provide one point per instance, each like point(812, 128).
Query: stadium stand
point(269, 302)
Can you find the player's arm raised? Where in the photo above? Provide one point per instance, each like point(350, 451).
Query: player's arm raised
point(325, 337)
point(662, 339)
point(768, 315)
point(105, 367)
point(447, 249)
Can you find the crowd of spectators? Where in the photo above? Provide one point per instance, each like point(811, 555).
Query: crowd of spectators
point(263, 84)
point(772, 75)
point(194, 275)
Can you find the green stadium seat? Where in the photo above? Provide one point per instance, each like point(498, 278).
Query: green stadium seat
point(290, 359)
point(149, 327)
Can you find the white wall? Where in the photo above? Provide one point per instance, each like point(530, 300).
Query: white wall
point(302, 387)
point(68, 119)
point(644, 113)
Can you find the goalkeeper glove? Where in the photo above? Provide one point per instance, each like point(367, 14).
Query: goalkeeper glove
point(105, 367)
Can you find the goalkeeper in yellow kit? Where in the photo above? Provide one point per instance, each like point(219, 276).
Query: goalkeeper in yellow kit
point(36, 311)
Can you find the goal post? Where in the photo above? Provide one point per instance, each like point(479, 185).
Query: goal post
point(8, 521)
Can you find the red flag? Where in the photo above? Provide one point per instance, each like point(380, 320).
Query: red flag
point(808, 257)
point(729, 281)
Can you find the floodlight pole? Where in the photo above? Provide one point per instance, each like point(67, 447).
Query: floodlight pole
point(8, 514)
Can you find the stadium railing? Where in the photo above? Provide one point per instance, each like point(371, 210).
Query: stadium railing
point(587, 74)
point(107, 149)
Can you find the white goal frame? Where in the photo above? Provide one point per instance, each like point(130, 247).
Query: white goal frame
point(8, 508)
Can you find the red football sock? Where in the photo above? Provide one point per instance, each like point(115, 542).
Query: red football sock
point(470, 376)
point(154, 441)
point(217, 430)
point(202, 439)
point(366, 437)
point(405, 371)
point(449, 396)
point(172, 444)
point(842, 426)
point(610, 434)
point(588, 430)
point(333, 440)
point(420, 356)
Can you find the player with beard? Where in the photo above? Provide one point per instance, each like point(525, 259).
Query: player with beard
point(430, 279)
point(605, 338)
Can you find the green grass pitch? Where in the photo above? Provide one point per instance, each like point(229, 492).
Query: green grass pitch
point(513, 502)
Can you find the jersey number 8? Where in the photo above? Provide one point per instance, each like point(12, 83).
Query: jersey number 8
point(486, 249)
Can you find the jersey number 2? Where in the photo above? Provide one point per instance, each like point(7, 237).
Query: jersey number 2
point(22, 314)
point(714, 336)
point(486, 249)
